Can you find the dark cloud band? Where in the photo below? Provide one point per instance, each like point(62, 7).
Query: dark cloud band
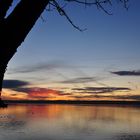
point(127, 73)
point(11, 84)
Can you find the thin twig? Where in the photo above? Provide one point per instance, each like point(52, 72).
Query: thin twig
point(63, 13)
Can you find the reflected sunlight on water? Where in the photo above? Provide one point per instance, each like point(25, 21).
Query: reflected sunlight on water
point(69, 122)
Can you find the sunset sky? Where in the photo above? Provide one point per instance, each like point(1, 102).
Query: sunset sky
point(58, 62)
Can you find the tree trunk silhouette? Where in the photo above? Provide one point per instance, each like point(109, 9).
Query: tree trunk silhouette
point(15, 27)
point(1, 80)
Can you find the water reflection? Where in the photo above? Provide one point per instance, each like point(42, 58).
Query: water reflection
point(69, 122)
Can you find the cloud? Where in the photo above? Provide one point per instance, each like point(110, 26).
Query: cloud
point(127, 73)
point(122, 97)
point(21, 90)
point(80, 80)
point(85, 96)
point(37, 67)
point(98, 90)
point(131, 97)
point(37, 92)
point(99, 96)
point(11, 84)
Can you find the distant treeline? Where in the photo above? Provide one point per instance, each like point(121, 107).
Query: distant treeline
point(135, 103)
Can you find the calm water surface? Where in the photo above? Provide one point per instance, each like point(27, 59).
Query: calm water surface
point(69, 122)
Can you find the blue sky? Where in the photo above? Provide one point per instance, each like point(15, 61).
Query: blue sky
point(110, 43)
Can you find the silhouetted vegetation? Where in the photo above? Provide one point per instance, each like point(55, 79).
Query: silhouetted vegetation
point(80, 102)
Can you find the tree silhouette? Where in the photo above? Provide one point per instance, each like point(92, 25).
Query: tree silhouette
point(15, 27)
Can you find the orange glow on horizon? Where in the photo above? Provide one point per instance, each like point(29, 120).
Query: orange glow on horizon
point(50, 94)
point(43, 93)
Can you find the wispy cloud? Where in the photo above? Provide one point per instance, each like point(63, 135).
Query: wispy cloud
point(98, 90)
point(127, 73)
point(80, 80)
point(37, 67)
point(101, 96)
point(122, 97)
point(132, 97)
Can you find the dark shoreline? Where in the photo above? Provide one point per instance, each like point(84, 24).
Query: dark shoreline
point(129, 103)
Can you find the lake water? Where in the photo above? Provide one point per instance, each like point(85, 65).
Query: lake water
point(69, 122)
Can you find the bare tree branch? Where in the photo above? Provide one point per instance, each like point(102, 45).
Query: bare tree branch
point(85, 2)
point(100, 4)
point(62, 12)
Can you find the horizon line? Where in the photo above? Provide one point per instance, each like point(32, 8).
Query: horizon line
point(99, 102)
